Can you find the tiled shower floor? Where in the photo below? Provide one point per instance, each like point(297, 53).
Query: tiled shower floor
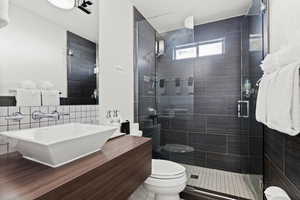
point(235, 184)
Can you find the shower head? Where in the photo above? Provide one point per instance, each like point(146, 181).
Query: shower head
point(257, 7)
point(263, 7)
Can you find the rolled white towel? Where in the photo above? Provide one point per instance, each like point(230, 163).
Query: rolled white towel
point(281, 58)
point(27, 84)
point(46, 85)
point(28, 97)
point(288, 54)
point(283, 101)
point(263, 92)
point(270, 64)
point(50, 98)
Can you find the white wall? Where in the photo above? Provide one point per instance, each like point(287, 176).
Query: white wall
point(116, 57)
point(32, 48)
point(284, 22)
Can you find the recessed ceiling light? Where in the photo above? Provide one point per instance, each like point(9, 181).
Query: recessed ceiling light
point(63, 4)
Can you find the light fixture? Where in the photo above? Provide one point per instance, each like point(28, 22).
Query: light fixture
point(83, 6)
point(64, 4)
point(4, 13)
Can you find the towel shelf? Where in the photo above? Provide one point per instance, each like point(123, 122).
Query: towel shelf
point(14, 92)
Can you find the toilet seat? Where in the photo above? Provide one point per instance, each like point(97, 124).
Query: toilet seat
point(167, 180)
point(166, 183)
point(163, 169)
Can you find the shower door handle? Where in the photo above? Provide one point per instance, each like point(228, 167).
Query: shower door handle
point(243, 109)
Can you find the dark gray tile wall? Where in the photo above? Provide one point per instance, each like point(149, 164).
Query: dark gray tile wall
point(82, 81)
point(209, 122)
point(282, 162)
point(206, 119)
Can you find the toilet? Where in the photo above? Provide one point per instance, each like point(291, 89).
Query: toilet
point(276, 193)
point(167, 180)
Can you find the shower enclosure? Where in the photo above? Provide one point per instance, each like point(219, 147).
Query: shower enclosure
point(195, 97)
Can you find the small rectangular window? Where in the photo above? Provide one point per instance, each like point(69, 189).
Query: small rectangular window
point(211, 48)
point(197, 50)
point(184, 53)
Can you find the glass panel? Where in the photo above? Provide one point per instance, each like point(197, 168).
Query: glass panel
point(175, 94)
point(145, 70)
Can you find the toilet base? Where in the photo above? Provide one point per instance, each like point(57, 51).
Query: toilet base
point(167, 180)
point(167, 197)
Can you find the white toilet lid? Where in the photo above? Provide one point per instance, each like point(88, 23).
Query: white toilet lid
point(165, 169)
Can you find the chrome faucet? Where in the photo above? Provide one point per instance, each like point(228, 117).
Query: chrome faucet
point(38, 115)
point(17, 116)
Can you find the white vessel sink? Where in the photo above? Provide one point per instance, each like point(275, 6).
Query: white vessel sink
point(58, 145)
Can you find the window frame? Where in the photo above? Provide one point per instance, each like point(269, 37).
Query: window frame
point(188, 46)
point(197, 45)
point(220, 40)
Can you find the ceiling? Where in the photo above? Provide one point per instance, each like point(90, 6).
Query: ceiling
point(73, 20)
point(164, 15)
point(167, 15)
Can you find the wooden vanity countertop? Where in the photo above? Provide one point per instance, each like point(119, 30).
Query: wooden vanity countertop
point(113, 173)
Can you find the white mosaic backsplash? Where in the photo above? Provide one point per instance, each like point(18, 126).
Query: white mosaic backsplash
point(81, 113)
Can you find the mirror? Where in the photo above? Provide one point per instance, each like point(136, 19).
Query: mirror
point(49, 47)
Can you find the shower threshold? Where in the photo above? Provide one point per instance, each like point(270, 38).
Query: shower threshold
point(193, 193)
point(219, 184)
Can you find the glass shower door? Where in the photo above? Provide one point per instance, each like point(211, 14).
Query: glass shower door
point(145, 80)
point(175, 94)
